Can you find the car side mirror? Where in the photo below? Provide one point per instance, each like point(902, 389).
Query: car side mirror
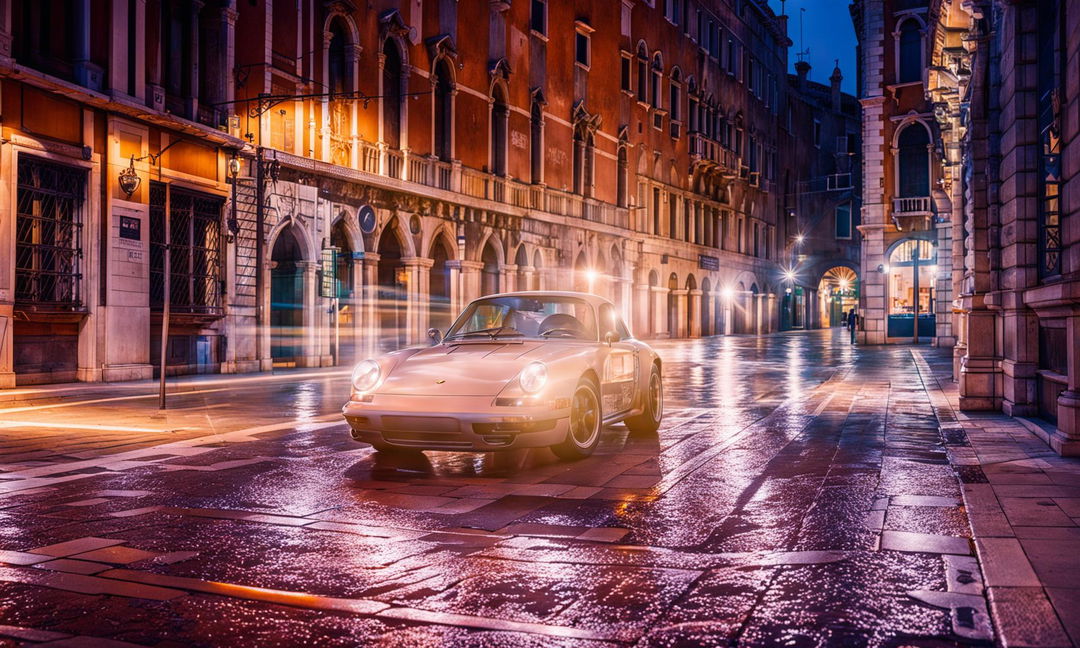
point(435, 335)
point(611, 336)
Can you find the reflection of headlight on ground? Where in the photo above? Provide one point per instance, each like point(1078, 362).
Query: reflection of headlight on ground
point(533, 377)
point(366, 375)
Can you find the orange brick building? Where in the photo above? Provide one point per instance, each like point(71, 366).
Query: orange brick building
point(439, 150)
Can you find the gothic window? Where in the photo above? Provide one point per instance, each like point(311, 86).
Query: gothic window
point(337, 71)
point(657, 80)
point(675, 92)
point(584, 154)
point(622, 179)
point(909, 60)
point(500, 114)
point(1049, 82)
point(444, 107)
point(642, 73)
point(536, 142)
point(176, 59)
point(391, 94)
point(913, 161)
point(48, 232)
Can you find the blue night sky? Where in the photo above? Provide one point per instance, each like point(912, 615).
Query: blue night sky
point(827, 33)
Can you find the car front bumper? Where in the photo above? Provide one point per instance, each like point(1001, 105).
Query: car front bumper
point(466, 423)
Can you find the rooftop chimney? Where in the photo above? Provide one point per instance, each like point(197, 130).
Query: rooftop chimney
point(802, 68)
point(836, 78)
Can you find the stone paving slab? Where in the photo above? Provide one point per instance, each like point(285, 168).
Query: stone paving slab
point(844, 499)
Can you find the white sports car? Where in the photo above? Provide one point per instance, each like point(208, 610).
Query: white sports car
point(515, 370)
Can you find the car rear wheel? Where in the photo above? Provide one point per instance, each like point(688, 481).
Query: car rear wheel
point(586, 420)
point(648, 422)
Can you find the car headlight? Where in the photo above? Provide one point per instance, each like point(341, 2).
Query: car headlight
point(533, 377)
point(366, 375)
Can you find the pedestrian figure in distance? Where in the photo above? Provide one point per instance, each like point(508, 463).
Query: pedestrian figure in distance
point(852, 319)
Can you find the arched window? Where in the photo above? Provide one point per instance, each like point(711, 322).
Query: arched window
point(584, 152)
point(444, 111)
point(500, 113)
point(691, 112)
point(909, 61)
point(622, 180)
point(536, 142)
point(657, 79)
point(338, 64)
point(642, 72)
point(913, 161)
point(391, 99)
point(675, 90)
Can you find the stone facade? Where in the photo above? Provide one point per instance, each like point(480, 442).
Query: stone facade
point(628, 148)
point(822, 202)
point(1003, 82)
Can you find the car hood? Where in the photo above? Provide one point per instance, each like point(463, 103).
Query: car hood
point(469, 369)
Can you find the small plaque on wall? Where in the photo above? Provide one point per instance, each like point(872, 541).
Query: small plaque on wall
point(130, 228)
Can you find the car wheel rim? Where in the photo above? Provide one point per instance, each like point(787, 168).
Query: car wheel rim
point(584, 417)
point(656, 397)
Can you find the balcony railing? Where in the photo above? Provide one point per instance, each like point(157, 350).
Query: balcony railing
point(911, 206)
point(433, 172)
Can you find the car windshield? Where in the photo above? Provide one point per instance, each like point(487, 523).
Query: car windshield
point(526, 317)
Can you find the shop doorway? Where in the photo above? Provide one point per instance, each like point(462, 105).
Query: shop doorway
point(911, 272)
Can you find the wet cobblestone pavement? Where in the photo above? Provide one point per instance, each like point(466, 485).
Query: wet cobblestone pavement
point(801, 492)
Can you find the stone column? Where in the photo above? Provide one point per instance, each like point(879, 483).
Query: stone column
point(1066, 439)
point(640, 310)
point(470, 280)
point(418, 298)
point(310, 356)
point(694, 314)
point(660, 311)
point(367, 344)
point(680, 312)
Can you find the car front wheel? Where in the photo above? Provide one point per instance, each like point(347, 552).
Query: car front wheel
point(652, 411)
point(586, 419)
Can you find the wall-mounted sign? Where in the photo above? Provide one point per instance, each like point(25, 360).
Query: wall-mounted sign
point(367, 219)
point(328, 280)
point(358, 256)
point(706, 262)
point(130, 228)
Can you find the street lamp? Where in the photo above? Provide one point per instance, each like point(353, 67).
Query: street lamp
point(129, 179)
point(590, 277)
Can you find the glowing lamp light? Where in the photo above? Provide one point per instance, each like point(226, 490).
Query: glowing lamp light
point(727, 293)
point(799, 239)
point(843, 284)
point(789, 275)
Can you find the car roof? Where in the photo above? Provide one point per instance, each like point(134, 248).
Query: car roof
point(595, 300)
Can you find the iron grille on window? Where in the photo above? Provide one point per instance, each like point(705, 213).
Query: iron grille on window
point(195, 250)
point(48, 233)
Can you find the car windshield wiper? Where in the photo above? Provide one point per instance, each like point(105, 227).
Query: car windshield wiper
point(573, 332)
point(492, 332)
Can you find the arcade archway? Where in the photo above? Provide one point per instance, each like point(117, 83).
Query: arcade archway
point(838, 293)
point(287, 299)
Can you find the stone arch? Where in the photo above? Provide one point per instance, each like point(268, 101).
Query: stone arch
point(352, 228)
point(490, 237)
point(396, 227)
point(444, 233)
point(307, 245)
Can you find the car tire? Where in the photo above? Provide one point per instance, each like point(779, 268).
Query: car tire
point(652, 412)
point(586, 422)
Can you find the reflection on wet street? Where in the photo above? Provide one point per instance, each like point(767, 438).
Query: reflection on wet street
point(798, 493)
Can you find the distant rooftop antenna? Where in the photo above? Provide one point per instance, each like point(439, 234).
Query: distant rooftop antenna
point(805, 51)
